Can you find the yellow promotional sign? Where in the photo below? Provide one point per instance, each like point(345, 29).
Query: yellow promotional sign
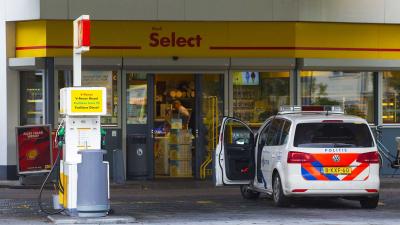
point(86, 101)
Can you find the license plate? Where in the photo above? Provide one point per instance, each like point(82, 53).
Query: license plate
point(337, 170)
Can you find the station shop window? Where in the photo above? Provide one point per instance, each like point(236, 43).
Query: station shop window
point(258, 95)
point(391, 97)
point(136, 98)
point(97, 78)
point(212, 111)
point(31, 98)
point(354, 91)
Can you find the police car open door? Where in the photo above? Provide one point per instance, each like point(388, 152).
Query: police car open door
point(234, 155)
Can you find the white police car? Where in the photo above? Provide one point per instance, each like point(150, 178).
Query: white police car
point(308, 151)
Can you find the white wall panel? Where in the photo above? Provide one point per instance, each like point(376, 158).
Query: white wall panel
point(239, 10)
point(21, 9)
point(286, 10)
point(309, 10)
point(114, 9)
point(367, 11)
point(171, 10)
point(392, 11)
point(3, 84)
point(12, 99)
point(54, 9)
point(358, 11)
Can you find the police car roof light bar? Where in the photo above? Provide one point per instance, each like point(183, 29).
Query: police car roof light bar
point(330, 109)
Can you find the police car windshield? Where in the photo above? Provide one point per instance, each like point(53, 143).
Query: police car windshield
point(332, 135)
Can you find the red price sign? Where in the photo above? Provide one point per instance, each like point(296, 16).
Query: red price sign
point(33, 149)
point(83, 33)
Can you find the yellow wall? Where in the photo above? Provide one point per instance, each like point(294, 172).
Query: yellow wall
point(214, 39)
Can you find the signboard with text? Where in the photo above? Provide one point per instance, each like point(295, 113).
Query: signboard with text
point(82, 33)
point(83, 101)
point(34, 149)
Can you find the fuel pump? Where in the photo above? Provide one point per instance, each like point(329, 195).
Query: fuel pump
point(81, 108)
point(79, 133)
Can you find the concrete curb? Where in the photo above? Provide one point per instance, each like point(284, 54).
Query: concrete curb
point(386, 182)
point(61, 219)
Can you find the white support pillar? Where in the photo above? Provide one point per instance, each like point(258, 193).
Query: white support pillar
point(13, 98)
point(3, 92)
point(77, 68)
point(9, 98)
point(79, 49)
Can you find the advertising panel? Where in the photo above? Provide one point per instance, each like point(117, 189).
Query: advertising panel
point(246, 78)
point(34, 149)
point(83, 101)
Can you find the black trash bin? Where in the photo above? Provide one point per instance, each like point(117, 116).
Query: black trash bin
point(136, 156)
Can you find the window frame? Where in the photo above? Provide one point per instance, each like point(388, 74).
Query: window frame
point(290, 92)
point(377, 87)
point(279, 130)
point(288, 134)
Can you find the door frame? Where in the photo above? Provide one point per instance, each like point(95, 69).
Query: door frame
point(198, 75)
point(220, 156)
point(148, 126)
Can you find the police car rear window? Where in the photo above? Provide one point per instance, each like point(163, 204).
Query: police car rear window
point(332, 135)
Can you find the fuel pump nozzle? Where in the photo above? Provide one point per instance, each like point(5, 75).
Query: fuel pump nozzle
point(103, 133)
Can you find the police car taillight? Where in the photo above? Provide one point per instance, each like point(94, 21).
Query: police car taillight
point(312, 108)
point(368, 157)
point(299, 157)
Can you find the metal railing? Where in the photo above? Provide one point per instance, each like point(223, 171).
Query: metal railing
point(212, 126)
point(384, 152)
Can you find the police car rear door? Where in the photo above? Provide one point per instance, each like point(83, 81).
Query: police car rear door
point(234, 155)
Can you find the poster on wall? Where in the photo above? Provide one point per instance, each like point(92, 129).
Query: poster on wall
point(137, 100)
point(100, 79)
point(246, 78)
point(33, 149)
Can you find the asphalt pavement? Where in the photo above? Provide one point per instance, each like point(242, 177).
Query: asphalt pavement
point(198, 202)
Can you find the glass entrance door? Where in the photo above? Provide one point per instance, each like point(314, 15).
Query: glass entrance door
point(138, 121)
point(212, 106)
point(188, 110)
point(174, 125)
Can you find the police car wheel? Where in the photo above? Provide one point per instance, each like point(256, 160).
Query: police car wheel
point(277, 193)
point(247, 193)
point(369, 202)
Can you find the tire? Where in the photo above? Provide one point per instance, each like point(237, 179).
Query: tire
point(369, 202)
point(278, 196)
point(247, 193)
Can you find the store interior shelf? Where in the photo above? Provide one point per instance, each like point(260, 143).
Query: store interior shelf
point(34, 113)
point(34, 100)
